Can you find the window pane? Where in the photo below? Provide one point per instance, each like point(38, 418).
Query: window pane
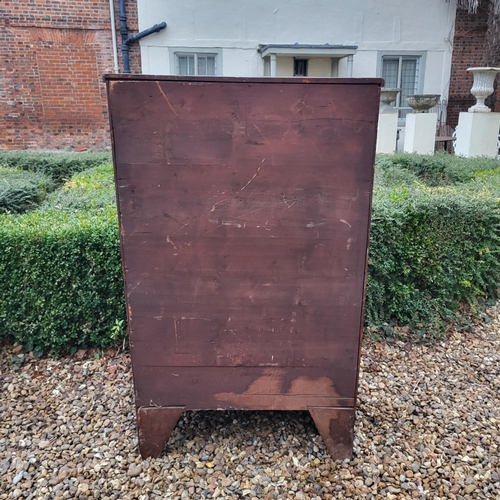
point(300, 67)
point(390, 69)
point(186, 65)
point(401, 72)
point(408, 79)
point(206, 65)
point(211, 65)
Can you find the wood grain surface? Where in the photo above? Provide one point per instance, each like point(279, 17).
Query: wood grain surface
point(244, 211)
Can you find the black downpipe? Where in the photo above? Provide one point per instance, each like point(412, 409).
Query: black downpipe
point(124, 34)
point(126, 40)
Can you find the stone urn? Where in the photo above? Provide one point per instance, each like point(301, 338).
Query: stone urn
point(421, 103)
point(482, 87)
point(387, 97)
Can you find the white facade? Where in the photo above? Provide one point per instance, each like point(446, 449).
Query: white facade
point(404, 38)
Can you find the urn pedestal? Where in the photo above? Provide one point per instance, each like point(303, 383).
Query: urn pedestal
point(478, 129)
point(477, 134)
point(420, 132)
point(387, 122)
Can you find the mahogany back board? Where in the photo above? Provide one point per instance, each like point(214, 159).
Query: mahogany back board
point(244, 208)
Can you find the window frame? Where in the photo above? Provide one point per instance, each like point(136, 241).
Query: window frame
point(393, 54)
point(175, 52)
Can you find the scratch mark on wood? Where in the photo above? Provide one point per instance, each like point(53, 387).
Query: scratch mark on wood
point(264, 137)
point(233, 224)
point(296, 301)
point(289, 205)
point(173, 218)
point(166, 98)
point(219, 202)
point(259, 130)
point(182, 227)
point(171, 242)
point(133, 288)
point(199, 217)
point(254, 176)
point(345, 222)
point(176, 334)
point(270, 205)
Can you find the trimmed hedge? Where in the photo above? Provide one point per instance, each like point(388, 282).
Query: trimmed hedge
point(88, 190)
point(435, 242)
point(439, 169)
point(21, 191)
point(59, 166)
point(61, 283)
point(429, 250)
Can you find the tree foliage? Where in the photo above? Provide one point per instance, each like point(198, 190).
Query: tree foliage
point(472, 5)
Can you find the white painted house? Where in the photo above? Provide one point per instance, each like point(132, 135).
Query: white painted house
point(406, 42)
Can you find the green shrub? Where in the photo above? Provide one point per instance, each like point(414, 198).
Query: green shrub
point(59, 166)
point(21, 191)
point(394, 175)
point(432, 248)
point(61, 283)
point(88, 190)
point(439, 169)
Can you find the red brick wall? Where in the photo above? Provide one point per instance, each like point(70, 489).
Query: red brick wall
point(468, 51)
point(53, 54)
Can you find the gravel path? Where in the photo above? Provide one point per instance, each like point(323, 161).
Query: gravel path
point(428, 426)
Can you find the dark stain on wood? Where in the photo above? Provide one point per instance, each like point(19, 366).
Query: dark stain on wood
point(244, 215)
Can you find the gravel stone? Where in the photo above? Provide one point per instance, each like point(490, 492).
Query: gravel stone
point(134, 470)
point(427, 427)
point(415, 467)
point(18, 478)
point(469, 488)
